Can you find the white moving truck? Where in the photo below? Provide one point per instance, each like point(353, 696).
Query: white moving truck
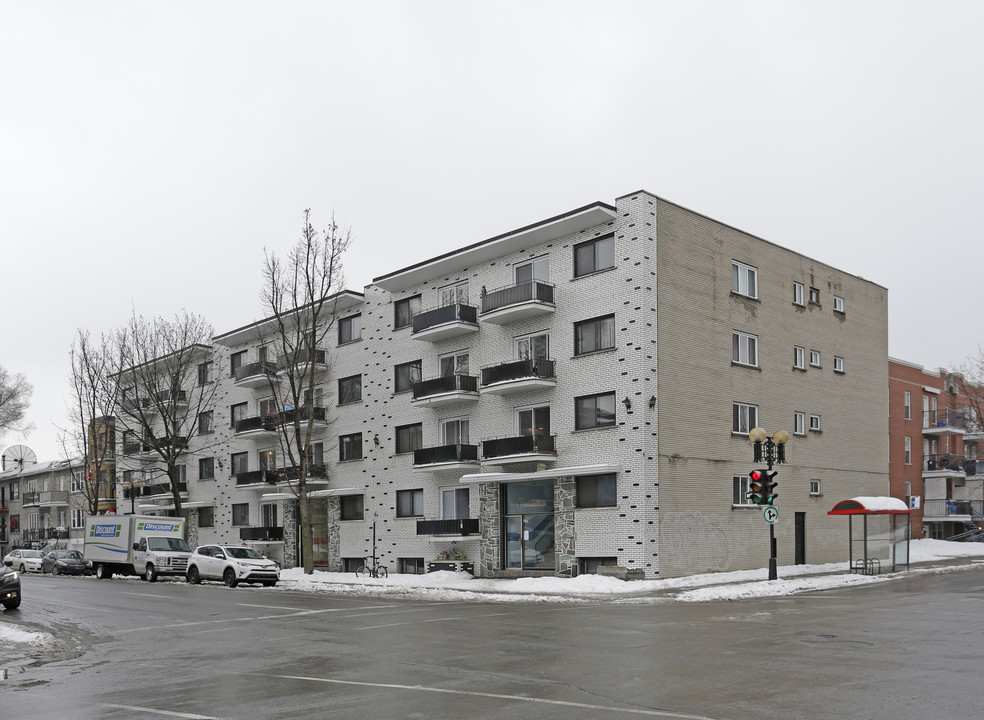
point(136, 545)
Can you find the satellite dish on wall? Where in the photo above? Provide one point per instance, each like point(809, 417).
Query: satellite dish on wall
point(18, 457)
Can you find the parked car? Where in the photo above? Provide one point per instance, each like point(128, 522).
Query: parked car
point(232, 564)
point(10, 587)
point(69, 562)
point(24, 560)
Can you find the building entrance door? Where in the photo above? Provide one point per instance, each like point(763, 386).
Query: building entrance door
point(530, 526)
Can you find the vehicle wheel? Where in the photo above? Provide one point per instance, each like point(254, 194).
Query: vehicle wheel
point(361, 571)
point(103, 572)
point(54, 570)
point(193, 577)
point(22, 570)
point(12, 604)
point(269, 583)
point(229, 578)
point(150, 575)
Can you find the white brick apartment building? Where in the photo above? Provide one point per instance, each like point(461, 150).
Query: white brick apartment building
point(573, 393)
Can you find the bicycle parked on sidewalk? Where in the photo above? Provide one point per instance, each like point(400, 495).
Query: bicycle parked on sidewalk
point(371, 568)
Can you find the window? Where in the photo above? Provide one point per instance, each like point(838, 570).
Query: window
point(814, 358)
point(267, 459)
point(456, 294)
point(238, 463)
point(349, 329)
point(744, 279)
point(533, 347)
point(353, 564)
point(453, 364)
point(350, 389)
point(815, 487)
point(590, 565)
point(815, 423)
point(203, 373)
point(908, 450)
point(240, 513)
point(798, 290)
point(596, 491)
point(454, 431)
point(316, 454)
point(350, 447)
point(14, 521)
point(78, 518)
point(814, 296)
point(77, 483)
point(206, 517)
point(410, 503)
point(412, 566)
point(404, 310)
point(206, 468)
point(908, 405)
point(454, 503)
point(309, 400)
point(268, 515)
point(594, 255)
point(799, 357)
point(744, 348)
point(205, 422)
point(236, 361)
point(406, 375)
point(838, 364)
point(744, 417)
point(538, 269)
point(740, 490)
point(838, 304)
point(409, 438)
point(799, 423)
point(594, 335)
point(238, 412)
point(15, 491)
point(592, 411)
point(352, 507)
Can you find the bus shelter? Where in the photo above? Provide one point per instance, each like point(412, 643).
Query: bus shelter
point(877, 533)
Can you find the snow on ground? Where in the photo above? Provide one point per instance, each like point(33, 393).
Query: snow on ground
point(462, 587)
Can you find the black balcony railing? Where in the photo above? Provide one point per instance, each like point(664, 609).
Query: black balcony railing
point(255, 368)
point(262, 422)
point(31, 498)
point(32, 536)
point(945, 418)
point(133, 448)
point(318, 414)
point(462, 526)
point(255, 477)
point(261, 533)
point(518, 370)
point(445, 454)
point(161, 488)
point(179, 397)
point(303, 357)
point(176, 441)
point(314, 470)
point(946, 508)
point(946, 461)
point(444, 315)
point(519, 293)
point(444, 385)
point(134, 404)
point(522, 445)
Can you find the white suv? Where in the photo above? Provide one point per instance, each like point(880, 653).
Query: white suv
point(232, 564)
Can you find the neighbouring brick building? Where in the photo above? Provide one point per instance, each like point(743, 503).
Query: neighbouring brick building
point(574, 393)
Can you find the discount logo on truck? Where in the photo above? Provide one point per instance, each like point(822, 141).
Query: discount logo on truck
point(159, 527)
point(105, 531)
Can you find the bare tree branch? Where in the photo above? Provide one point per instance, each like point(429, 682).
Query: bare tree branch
point(15, 391)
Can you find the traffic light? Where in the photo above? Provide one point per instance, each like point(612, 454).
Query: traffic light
point(756, 487)
point(769, 496)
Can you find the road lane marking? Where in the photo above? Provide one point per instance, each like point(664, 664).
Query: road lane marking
point(155, 711)
point(414, 622)
point(501, 696)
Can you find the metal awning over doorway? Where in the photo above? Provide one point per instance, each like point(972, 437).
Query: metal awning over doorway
point(882, 538)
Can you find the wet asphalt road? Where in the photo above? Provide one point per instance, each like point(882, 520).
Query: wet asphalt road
point(908, 648)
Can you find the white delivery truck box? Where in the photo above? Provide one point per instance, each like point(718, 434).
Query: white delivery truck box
point(136, 545)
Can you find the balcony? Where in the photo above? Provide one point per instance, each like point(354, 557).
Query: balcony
point(518, 376)
point(134, 405)
point(304, 357)
point(953, 510)
point(30, 499)
point(446, 457)
point(317, 474)
point(318, 415)
point(460, 527)
point(518, 302)
point(270, 532)
point(257, 374)
point(260, 427)
point(525, 448)
point(257, 479)
point(136, 447)
point(445, 322)
point(179, 398)
point(948, 465)
point(158, 490)
point(944, 422)
point(447, 390)
point(54, 498)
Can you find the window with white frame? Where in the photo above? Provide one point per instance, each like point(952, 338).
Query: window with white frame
point(744, 417)
point(799, 423)
point(537, 269)
point(815, 487)
point(814, 358)
point(799, 357)
point(454, 431)
point(78, 484)
point(838, 304)
point(744, 279)
point(533, 347)
point(456, 294)
point(908, 450)
point(815, 423)
point(815, 295)
point(838, 364)
point(740, 490)
point(744, 348)
point(799, 293)
point(453, 364)
point(78, 518)
point(908, 405)
point(454, 503)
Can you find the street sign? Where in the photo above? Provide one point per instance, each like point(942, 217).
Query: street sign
point(771, 514)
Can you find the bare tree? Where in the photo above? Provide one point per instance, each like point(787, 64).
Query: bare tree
point(166, 395)
point(971, 379)
point(302, 294)
point(92, 434)
point(15, 391)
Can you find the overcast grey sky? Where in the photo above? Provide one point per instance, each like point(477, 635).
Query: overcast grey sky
point(150, 151)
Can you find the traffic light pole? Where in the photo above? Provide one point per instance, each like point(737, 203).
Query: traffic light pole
point(770, 450)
